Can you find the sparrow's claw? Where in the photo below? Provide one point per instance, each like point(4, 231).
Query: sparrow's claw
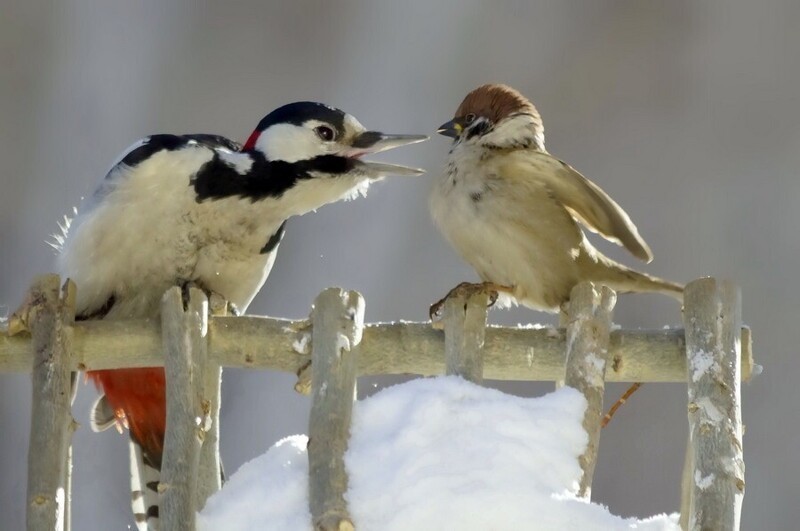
point(466, 290)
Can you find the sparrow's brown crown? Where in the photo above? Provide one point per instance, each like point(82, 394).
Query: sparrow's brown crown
point(496, 102)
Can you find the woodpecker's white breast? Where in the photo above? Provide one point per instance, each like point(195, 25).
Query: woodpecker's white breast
point(144, 231)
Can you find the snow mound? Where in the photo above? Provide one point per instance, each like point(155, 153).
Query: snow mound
point(437, 453)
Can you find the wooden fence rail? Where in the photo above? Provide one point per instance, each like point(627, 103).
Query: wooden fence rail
point(584, 355)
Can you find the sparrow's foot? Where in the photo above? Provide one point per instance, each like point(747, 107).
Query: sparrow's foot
point(467, 289)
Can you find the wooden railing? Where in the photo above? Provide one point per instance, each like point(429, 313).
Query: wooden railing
point(329, 350)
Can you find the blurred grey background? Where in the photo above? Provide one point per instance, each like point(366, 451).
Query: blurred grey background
point(687, 113)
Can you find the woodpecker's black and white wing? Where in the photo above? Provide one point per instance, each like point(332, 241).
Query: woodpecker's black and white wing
point(146, 148)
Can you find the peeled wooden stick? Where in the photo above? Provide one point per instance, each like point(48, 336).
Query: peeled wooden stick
point(209, 474)
point(338, 321)
point(48, 313)
point(713, 319)
point(464, 332)
point(185, 352)
point(588, 356)
point(509, 353)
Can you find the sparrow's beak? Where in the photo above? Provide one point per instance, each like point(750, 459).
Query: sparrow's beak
point(370, 142)
point(452, 128)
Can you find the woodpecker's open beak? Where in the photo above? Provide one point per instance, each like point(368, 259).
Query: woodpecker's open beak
point(370, 142)
point(452, 128)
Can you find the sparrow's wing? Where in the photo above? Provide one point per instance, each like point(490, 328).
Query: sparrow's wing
point(586, 202)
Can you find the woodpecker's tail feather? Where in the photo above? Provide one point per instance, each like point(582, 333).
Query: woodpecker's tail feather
point(136, 398)
point(145, 476)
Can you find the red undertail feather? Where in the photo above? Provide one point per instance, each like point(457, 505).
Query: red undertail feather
point(139, 401)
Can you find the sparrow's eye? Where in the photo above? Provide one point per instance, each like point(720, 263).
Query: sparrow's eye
point(325, 133)
point(469, 118)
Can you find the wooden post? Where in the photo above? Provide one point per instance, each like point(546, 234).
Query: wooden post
point(464, 333)
point(209, 474)
point(686, 486)
point(49, 314)
point(338, 321)
point(713, 318)
point(563, 322)
point(185, 351)
point(588, 333)
point(71, 293)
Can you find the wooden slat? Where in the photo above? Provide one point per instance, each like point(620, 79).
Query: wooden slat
point(338, 319)
point(184, 343)
point(713, 317)
point(588, 356)
point(48, 313)
point(465, 329)
point(394, 348)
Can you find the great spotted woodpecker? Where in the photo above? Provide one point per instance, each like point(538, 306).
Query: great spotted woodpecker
point(202, 209)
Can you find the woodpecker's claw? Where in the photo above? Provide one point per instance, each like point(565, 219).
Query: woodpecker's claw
point(466, 290)
point(218, 305)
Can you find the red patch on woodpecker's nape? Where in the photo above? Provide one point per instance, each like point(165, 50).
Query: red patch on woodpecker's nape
point(251, 142)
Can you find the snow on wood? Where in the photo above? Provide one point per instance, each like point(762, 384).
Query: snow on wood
point(185, 348)
point(464, 332)
point(394, 348)
point(48, 313)
point(713, 316)
point(338, 321)
point(588, 331)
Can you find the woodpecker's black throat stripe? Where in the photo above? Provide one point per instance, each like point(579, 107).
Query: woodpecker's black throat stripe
point(216, 179)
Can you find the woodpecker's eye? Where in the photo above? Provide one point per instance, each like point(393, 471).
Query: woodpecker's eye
point(469, 118)
point(325, 133)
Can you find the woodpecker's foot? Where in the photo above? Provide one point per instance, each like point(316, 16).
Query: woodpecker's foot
point(217, 304)
point(467, 289)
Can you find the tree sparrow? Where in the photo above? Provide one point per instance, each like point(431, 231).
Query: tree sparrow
point(513, 211)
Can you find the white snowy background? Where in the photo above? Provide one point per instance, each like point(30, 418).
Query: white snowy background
point(687, 113)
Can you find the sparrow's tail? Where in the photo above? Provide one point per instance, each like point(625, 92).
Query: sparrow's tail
point(624, 280)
